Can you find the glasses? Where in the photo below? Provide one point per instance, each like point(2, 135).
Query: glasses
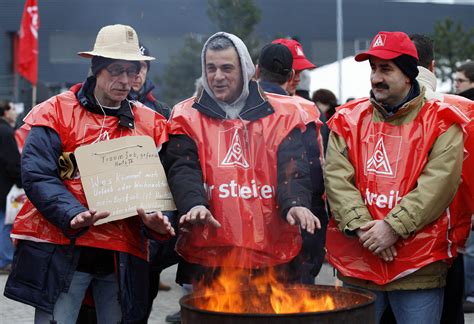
point(117, 70)
point(460, 80)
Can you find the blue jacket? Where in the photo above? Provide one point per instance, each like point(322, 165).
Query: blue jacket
point(41, 271)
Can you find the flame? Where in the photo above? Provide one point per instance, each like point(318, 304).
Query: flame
point(237, 290)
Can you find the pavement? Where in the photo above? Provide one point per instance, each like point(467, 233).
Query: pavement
point(12, 312)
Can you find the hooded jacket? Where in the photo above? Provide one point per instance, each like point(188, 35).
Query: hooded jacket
point(183, 161)
point(247, 68)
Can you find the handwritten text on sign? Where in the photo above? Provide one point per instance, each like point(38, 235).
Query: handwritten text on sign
point(123, 174)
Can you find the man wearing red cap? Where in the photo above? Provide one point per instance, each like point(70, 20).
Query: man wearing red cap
point(300, 62)
point(393, 166)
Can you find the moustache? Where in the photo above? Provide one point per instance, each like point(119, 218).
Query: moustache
point(380, 85)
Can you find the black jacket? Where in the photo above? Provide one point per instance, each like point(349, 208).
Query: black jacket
point(313, 244)
point(9, 162)
point(469, 94)
point(184, 172)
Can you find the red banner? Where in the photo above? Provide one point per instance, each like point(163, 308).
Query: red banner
point(28, 42)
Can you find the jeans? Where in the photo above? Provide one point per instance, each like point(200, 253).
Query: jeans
point(422, 306)
point(66, 309)
point(6, 246)
point(469, 268)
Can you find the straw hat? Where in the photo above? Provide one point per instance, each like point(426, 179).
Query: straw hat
point(118, 42)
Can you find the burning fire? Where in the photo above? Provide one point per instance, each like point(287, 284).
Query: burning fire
point(246, 291)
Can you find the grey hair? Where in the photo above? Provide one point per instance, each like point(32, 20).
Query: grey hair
point(219, 43)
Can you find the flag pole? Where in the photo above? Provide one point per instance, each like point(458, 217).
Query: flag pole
point(33, 96)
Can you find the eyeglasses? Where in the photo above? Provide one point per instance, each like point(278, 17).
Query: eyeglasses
point(117, 70)
point(460, 80)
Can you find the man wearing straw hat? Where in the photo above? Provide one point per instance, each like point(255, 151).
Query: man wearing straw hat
point(59, 254)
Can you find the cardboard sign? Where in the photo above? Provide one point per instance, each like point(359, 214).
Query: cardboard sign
point(122, 174)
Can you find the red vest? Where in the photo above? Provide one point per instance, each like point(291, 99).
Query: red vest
point(76, 127)
point(462, 207)
point(388, 160)
point(310, 114)
point(239, 164)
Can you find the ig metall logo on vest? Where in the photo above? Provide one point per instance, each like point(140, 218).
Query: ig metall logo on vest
point(233, 148)
point(383, 154)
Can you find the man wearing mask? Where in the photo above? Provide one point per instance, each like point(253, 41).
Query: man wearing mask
point(237, 168)
point(393, 167)
point(60, 252)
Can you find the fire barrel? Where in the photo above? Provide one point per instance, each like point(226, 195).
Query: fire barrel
point(351, 306)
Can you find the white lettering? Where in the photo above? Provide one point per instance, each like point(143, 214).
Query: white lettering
point(267, 192)
point(223, 191)
point(381, 200)
point(245, 192)
point(235, 190)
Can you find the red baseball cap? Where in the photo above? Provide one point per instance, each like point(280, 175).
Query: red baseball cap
point(300, 62)
point(389, 45)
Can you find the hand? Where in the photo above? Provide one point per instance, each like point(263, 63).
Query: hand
point(377, 236)
point(304, 217)
point(388, 254)
point(199, 215)
point(156, 221)
point(87, 218)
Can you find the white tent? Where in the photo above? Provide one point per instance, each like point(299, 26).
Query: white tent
point(355, 79)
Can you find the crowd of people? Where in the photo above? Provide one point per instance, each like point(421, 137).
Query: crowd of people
point(263, 175)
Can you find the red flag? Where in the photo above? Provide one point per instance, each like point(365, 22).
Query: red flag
point(28, 42)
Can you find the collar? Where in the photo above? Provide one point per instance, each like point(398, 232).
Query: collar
point(272, 87)
point(404, 108)
point(256, 106)
point(426, 78)
point(85, 96)
point(388, 111)
point(469, 94)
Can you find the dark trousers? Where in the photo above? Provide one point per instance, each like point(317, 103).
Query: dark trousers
point(454, 293)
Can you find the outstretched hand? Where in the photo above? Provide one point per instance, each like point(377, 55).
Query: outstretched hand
point(156, 221)
point(304, 217)
point(199, 215)
point(87, 218)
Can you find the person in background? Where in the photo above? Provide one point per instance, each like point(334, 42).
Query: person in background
point(9, 176)
point(53, 266)
point(142, 88)
point(464, 80)
point(462, 206)
point(162, 254)
point(326, 101)
point(300, 62)
point(393, 167)
point(274, 72)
